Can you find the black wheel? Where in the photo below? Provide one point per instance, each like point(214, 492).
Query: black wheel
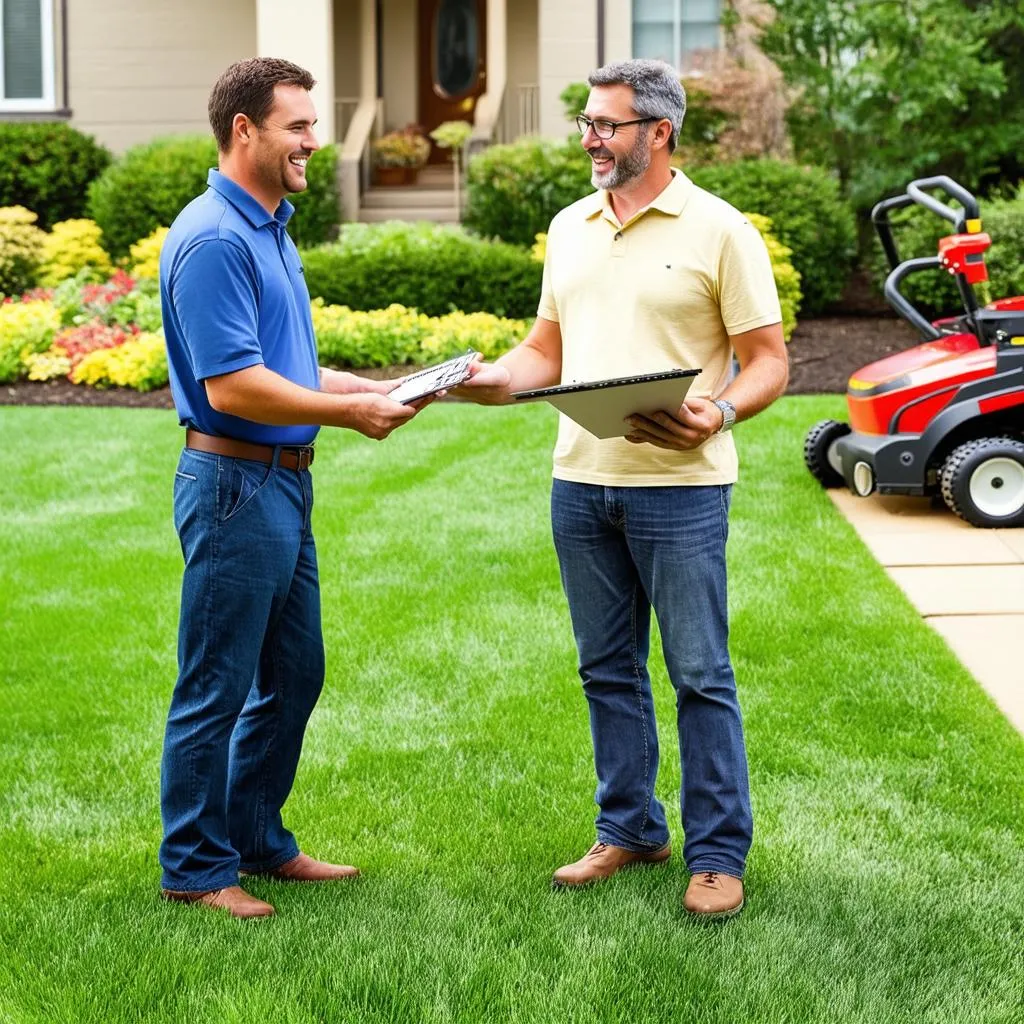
point(983, 482)
point(819, 440)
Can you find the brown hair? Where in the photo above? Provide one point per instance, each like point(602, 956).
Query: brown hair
point(247, 87)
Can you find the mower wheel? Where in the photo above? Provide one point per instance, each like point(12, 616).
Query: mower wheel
point(983, 482)
point(819, 440)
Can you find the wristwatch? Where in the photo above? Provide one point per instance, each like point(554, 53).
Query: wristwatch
point(728, 414)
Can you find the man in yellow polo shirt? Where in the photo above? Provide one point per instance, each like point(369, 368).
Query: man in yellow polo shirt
point(649, 273)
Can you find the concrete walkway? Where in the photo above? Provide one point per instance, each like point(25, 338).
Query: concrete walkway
point(967, 583)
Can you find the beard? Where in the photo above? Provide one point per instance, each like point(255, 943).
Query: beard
point(628, 167)
point(276, 175)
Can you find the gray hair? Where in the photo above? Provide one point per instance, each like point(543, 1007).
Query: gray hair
point(657, 91)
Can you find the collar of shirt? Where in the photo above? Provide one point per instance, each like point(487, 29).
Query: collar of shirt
point(670, 200)
point(246, 203)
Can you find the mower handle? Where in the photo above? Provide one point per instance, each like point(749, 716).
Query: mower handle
point(915, 194)
point(902, 305)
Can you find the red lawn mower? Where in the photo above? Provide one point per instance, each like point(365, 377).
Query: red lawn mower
point(946, 417)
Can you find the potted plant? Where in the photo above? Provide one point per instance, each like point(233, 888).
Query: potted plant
point(454, 135)
point(398, 156)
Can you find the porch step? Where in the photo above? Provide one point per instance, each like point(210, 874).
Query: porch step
point(437, 214)
point(399, 196)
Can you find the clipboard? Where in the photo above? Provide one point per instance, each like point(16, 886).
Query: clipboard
point(602, 406)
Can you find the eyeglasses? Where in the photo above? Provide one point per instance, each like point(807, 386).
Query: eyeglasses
point(606, 129)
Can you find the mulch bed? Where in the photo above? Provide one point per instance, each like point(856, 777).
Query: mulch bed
point(823, 353)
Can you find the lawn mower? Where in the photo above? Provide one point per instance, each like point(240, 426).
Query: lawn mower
point(946, 417)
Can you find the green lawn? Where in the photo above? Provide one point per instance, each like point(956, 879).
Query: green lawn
point(450, 758)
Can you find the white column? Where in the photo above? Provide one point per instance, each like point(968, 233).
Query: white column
point(302, 31)
point(567, 52)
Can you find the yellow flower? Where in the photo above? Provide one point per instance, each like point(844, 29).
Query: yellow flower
point(787, 277)
point(140, 363)
point(144, 255)
point(70, 247)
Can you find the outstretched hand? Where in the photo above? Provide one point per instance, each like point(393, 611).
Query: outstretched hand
point(488, 383)
point(696, 420)
point(376, 416)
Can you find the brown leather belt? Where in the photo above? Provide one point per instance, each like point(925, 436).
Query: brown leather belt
point(297, 457)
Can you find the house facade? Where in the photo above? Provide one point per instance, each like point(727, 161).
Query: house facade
point(127, 71)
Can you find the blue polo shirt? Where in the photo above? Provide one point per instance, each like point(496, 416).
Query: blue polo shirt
point(234, 295)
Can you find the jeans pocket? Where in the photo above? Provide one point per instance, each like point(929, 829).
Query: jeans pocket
point(238, 482)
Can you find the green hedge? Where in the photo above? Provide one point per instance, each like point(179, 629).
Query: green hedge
point(47, 169)
point(917, 232)
point(807, 213)
point(430, 267)
point(148, 186)
point(515, 190)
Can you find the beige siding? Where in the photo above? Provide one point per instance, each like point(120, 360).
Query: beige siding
point(618, 30)
point(140, 68)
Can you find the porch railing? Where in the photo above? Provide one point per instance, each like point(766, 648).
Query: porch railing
point(355, 169)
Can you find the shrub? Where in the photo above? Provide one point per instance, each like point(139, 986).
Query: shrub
point(807, 214)
point(490, 335)
point(398, 336)
point(433, 268)
point(787, 277)
point(515, 190)
point(148, 186)
point(144, 256)
point(25, 328)
point(48, 167)
point(917, 232)
point(140, 363)
point(318, 209)
point(151, 184)
point(21, 245)
point(73, 246)
point(381, 337)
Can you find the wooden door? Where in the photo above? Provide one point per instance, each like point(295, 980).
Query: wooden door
point(452, 62)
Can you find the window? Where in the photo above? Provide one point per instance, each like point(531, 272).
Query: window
point(671, 30)
point(26, 55)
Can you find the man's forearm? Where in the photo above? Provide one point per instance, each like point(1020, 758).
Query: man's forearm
point(260, 395)
point(341, 382)
point(757, 385)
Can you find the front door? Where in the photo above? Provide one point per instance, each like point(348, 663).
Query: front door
point(453, 62)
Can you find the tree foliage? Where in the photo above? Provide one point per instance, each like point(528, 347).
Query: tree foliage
point(890, 90)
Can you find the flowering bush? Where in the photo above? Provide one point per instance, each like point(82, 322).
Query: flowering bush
point(397, 335)
point(144, 255)
point(787, 277)
point(20, 247)
point(139, 363)
point(138, 308)
point(25, 328)
point(72, 345)
point(454, 333)
point(47, 365)
point(71, 248)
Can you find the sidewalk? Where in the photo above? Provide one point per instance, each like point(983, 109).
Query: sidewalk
point(967, 583)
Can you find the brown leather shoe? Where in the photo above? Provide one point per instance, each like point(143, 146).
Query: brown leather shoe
point(234, 899)
point(305, 869)
point(602, 861)
point(711, 894)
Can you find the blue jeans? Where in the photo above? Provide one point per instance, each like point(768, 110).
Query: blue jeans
point(621, 551)
point(250, 668)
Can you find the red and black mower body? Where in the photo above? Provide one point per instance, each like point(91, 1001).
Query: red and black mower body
point(945, 417)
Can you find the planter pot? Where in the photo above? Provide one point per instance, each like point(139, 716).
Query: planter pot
point(411, 174)
point(391, 175)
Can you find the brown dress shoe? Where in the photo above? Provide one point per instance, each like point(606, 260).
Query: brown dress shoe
point(305, 869)
point(234, 899)
point(602, 861)
point(713, 895)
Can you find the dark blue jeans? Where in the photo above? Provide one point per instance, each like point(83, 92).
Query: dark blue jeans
point(250, 668)
point(621, 551)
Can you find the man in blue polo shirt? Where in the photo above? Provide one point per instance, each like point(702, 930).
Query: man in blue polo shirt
point(248, 390)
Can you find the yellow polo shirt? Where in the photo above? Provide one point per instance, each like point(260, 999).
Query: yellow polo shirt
point(662, 291)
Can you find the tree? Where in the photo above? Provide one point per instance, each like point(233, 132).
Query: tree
point(890, 90)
